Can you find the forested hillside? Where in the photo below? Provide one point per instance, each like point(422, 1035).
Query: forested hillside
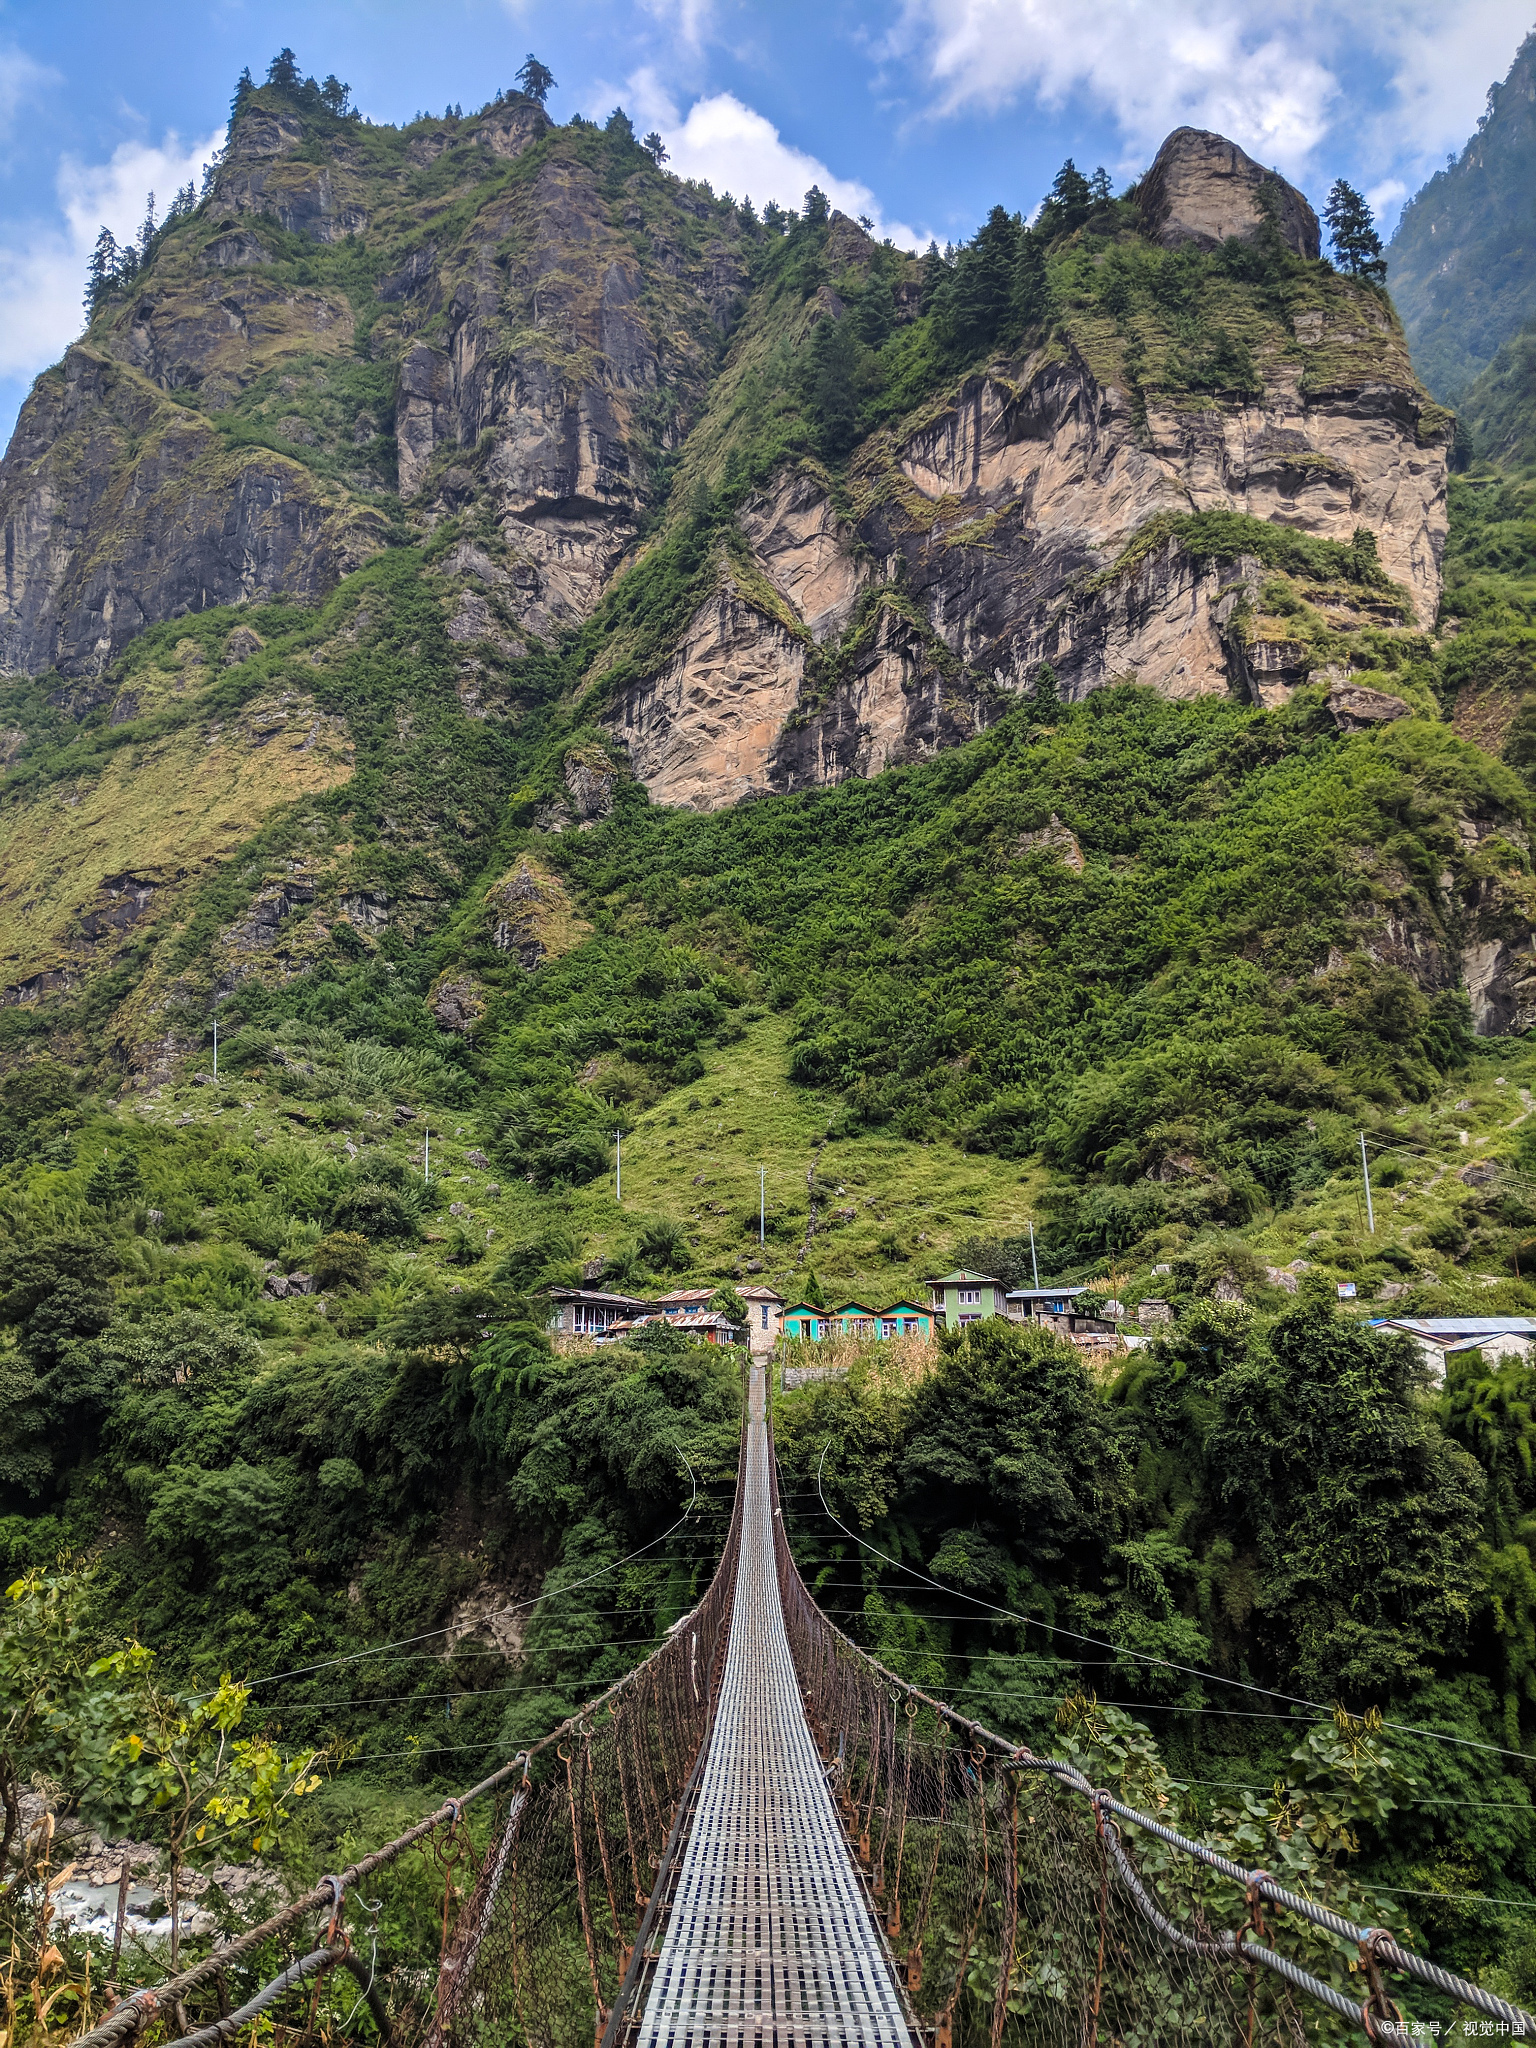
point(1027, 735)
point(1462, 264)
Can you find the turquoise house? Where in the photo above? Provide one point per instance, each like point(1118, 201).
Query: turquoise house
point(806, 1323)
point(853, 1319)
point(962, 1298)
point(905, 1319)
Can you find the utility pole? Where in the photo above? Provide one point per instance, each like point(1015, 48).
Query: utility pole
point(1365, 1168)
point(762, 1204)
point(618, 1166)
point(1034, 1263)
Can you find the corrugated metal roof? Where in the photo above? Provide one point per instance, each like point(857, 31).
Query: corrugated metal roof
point(1460, 1326)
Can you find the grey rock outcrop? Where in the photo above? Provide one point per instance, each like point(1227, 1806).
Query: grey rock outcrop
point(1202, 189)
point(97, 458)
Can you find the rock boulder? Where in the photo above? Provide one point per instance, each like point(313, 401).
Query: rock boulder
point(1204, 189)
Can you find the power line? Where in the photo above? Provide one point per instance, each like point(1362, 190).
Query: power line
point(1145, 1657)
point(514, 1607)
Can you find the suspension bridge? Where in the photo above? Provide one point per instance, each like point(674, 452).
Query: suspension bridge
point(761, 1838)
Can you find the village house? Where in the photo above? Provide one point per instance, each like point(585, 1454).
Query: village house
point(962, 1298)
point(1442, 1337)
point(765, 1312)
point(1022, 1303)
point(905, 1319)
point(804, 1322)
point(587, 1312)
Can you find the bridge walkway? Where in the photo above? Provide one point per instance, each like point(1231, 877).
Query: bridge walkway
point(770, 1940)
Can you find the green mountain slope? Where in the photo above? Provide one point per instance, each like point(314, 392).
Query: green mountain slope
point(1462, 263)
point(1036, 739)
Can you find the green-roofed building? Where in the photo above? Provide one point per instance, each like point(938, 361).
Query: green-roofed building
point(963, 1297)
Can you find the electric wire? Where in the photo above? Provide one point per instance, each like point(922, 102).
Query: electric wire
point(513, 1607)
point(1145, 1657)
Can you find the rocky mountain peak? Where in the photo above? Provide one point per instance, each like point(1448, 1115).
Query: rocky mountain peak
point(1203, 189)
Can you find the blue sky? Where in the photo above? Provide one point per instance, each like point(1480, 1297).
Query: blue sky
point(922, 113)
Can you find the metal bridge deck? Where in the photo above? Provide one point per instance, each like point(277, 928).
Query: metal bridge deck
point(770, 1941)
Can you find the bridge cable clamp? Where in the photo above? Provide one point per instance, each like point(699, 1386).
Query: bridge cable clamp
point(338, 1890)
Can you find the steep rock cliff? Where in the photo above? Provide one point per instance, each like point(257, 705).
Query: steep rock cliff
point(1007, 519)
point(483, 316)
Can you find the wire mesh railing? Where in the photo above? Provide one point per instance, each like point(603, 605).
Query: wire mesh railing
point(1024, 1905)
point(539, 1921)
point(1020, 1903)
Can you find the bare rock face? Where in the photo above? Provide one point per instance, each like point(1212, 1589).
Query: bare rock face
point(191, 522)
point(1004, 518)
point(1355, 707)
point(555, 414)
point(1203, 189)
point(703, 730)
point(805, 551)
point(259, 174)
point(1054, 838)
point(1500, 976)
point(457, 1001)
point(589, 777)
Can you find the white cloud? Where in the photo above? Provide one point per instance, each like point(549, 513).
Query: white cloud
point(42, 262)
point(737, 150)
point(1246, 70)
point(691, 19)
point(1279, 76)
point(20, 79)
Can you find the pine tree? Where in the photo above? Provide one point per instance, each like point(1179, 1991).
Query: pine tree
point(775, 220)
point(1352, 231)
point(245, 85)
point(1100, 191)
point(1069, 204)
point(536, 79)
point(335, 96)
point(101, 273)
point(1030, 300)
point(983, 292)
point(876, 313)
point(657, 151)
point(283, 71)
point(620, 126)
point(817, 207)
point(147, 229)
point(1045, 698)
point(827, 382)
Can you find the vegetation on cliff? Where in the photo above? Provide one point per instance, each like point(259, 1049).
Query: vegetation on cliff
point(1139, 969)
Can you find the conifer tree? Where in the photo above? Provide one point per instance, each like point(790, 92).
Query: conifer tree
point(775, 219)
point(1352, 232)
point(1045, 698)
point(619, 124)
point(876, 313)
point(1029, 299)
point(101, 272)
point(817, 207)
point(657, 151)
point(147, 228)
point(1069, 204)
point(983, 288)
point(828, 386)
point(536, 79)
point(245, 85)
point(335, 96)
point(283, 71)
